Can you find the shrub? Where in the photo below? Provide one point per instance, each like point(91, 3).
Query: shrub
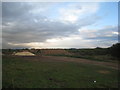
point(115, 49)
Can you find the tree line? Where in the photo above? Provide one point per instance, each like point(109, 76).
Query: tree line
point(113, 51)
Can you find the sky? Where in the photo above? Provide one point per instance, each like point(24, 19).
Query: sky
point(59, 24)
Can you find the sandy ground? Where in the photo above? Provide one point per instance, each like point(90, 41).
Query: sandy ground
point(69, 59)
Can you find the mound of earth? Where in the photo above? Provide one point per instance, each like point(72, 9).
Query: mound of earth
point(24, 53)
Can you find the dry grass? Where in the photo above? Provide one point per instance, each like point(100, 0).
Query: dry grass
point(55, 52)
point(104, 71)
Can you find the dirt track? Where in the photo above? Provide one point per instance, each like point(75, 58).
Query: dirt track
point(69, 59)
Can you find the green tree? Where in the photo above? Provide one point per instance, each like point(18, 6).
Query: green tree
point(115, 50)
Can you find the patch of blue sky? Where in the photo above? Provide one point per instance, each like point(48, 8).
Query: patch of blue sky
point(108, 13)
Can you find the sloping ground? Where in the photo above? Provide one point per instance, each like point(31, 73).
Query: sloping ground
point(1, 53)
point(69, 59)
point(25, 53)
point(86, 61)
point(55, 72)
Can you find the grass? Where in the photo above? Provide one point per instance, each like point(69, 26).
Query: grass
point(20, 73)
point(103, 58)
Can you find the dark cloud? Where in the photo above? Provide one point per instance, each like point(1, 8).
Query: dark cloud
point(29, 22)
point(32, 32)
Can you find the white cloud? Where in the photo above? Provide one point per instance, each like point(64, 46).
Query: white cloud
point(52, 40)
point(73, 12)
point(115, 33)
point(27, 25)
point(104, 32)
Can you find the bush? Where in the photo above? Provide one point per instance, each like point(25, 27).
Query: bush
point(115, 49)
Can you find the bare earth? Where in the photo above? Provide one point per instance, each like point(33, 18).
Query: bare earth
point(69, 59)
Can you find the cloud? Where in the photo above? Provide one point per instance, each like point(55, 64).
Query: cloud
point(75, 11)
point(107, 32)
point(36, 25)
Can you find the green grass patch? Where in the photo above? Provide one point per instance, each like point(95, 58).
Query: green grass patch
point(20, 73)
point(103, 58)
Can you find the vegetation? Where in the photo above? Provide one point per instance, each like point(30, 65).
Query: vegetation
point(115, 50)
point(100, 54)
point(27, 73)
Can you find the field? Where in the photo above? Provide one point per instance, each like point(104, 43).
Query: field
point(57, 72)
